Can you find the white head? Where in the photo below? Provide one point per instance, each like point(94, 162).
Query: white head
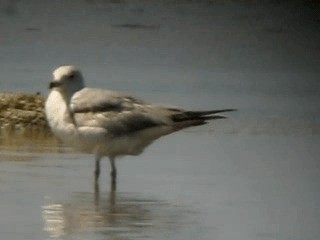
point(67, 80)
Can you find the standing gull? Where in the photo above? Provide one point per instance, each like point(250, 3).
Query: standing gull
point(108, 123)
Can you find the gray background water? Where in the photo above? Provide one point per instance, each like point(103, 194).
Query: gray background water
point(253, 176)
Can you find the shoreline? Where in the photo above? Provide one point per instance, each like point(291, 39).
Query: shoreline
point(22, 111)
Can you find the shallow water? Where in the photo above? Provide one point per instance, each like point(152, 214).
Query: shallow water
point(252, 176)
point(191, 185)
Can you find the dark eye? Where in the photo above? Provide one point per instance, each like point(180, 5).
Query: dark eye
point(72, 76)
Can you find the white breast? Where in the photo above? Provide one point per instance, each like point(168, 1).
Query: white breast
point(58, 117)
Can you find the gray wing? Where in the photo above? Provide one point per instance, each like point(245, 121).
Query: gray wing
point(113, 112)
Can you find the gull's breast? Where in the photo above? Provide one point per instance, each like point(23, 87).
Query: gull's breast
point(59, 118)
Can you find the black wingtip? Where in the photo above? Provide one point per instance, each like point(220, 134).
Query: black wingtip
point(199, 115)
point(222, 110)
point(207, 113)
point(214, 117)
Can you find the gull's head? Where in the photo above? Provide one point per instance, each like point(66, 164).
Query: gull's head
point(67, 80)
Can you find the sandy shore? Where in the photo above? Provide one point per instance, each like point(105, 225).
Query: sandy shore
point(20, 110)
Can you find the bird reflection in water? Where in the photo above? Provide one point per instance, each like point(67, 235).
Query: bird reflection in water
point(118, 215)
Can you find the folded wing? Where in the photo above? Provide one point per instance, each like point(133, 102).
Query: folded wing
point(119, 114)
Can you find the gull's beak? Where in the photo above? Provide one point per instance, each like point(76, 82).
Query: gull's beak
point(54, 84)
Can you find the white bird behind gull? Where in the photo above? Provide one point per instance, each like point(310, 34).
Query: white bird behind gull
point(108, 123)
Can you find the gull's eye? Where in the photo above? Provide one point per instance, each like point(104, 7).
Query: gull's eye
point(71, 76)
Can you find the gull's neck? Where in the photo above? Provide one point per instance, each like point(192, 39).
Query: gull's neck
point(67, 95)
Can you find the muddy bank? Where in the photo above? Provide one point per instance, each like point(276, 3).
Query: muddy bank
point(20, 110)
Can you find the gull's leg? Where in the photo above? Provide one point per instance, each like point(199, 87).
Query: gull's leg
point(97, 170)
point(113, 173)
point(113, 168)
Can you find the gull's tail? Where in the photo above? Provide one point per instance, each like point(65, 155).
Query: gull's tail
point(184, 119)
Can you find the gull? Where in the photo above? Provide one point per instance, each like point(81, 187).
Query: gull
point(109, 123)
